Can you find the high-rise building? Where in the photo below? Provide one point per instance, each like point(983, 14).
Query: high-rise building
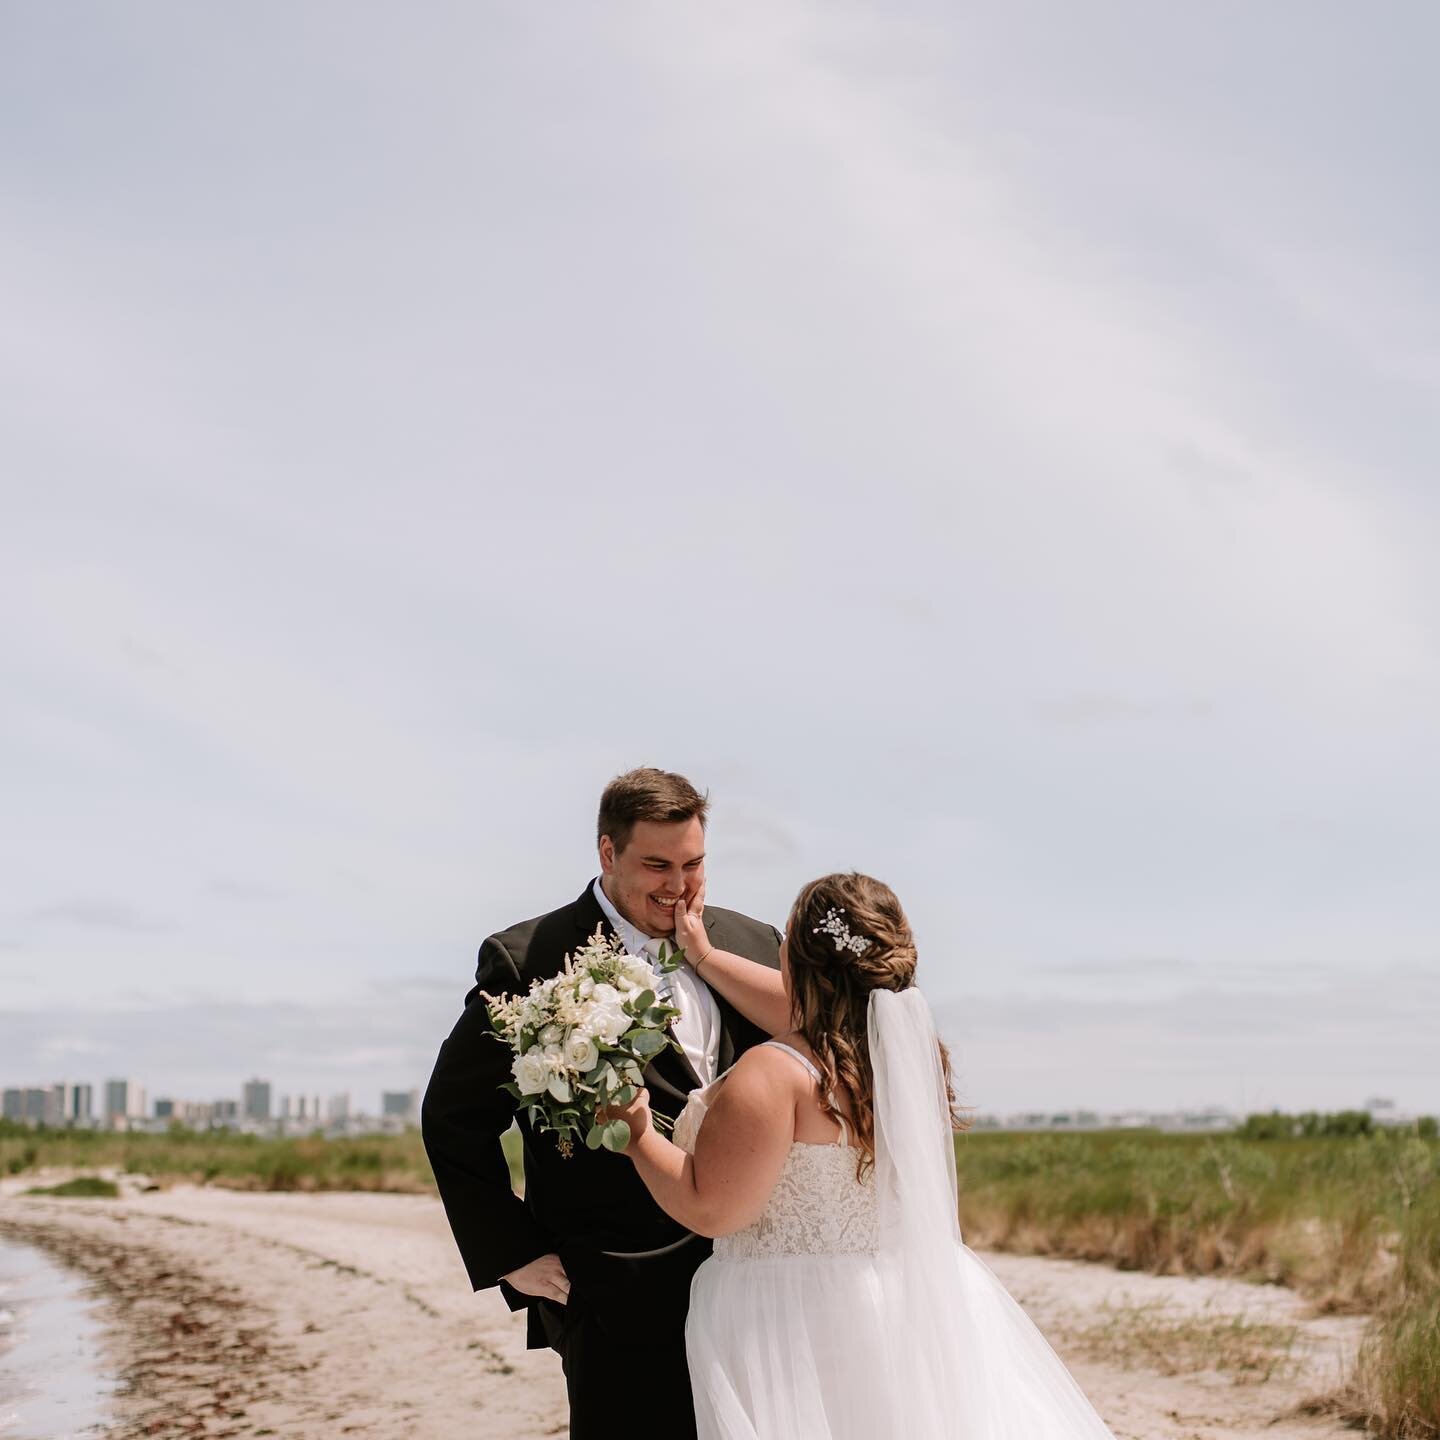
point(226, 1112)
point(401, 1104)
point(304, 1109)
point(257, 1100)
point(38, 1105)
point(13, 1103)
point(124, 1101)
point(337, 1112)
point(82, 1102)
point(62, 1104)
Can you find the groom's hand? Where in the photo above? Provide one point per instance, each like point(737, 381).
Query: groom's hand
point(544, 1277)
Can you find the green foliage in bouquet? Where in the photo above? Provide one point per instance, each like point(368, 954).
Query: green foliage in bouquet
point(582, 1039)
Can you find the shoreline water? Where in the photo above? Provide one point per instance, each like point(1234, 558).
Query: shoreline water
point(54, 1381)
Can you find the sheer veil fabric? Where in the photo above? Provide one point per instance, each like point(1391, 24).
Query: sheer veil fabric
point(851, 1310)
point(962, 1358)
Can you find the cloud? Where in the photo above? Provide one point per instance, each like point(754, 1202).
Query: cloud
point(1327, 1043)
point(368, 1041)
point(1295, 1045)
point(244, 892)
point(1099, 708)
point(102, 913)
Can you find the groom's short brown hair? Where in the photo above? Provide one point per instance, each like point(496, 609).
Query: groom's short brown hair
point(647, 794)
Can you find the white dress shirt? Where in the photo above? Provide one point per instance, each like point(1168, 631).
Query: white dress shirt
point(697, 1026)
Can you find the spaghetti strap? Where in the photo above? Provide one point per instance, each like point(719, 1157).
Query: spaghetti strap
point(790, 1050)
point(815, 1076)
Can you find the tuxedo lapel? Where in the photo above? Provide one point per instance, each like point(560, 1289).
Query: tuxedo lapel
point(725, 1055)
point(588, 915)
point(672, 1072)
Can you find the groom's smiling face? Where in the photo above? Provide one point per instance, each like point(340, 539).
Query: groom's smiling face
point(660, 864)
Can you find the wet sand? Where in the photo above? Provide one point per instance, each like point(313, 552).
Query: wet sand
point(310, 1316)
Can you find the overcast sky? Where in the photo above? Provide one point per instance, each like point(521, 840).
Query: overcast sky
point(994, 447)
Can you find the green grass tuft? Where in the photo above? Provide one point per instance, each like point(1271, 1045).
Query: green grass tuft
point(89, 1187)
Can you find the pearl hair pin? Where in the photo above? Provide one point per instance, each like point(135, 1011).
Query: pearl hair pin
point(836, 928)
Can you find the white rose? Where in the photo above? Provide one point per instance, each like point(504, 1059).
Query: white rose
point(551, 1034)
point(581, 1052)
point(531, 1072)
point(587, 988)
point(608, 1023)
point(604, 994)
point(640, 975)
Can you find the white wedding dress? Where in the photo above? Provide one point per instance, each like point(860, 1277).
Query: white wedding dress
point(850, 1310)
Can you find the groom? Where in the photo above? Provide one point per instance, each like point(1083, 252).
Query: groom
point(587, 1250)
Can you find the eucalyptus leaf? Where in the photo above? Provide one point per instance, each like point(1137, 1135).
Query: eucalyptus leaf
point(616, 1136)
point(595, 1137)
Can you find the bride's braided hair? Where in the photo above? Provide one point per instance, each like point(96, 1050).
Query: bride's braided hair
point(847, 936)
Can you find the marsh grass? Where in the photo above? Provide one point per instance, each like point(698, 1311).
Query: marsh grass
point(394, 1163)
point(1156, 1337)
point(1399, 1368)
point(1324, 1216)
point(227, 1159)
point(1351, 1222)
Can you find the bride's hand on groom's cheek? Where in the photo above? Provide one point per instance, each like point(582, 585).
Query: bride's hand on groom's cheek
point(690, 925)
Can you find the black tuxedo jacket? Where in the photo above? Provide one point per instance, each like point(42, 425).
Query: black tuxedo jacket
point(593, 1201)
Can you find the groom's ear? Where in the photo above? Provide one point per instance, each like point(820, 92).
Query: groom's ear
point(607, 854)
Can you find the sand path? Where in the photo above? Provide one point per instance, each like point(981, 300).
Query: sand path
point(309, 1316)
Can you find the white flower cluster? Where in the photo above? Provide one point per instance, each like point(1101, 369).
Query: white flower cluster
point(582, 1038)
point(836, 928)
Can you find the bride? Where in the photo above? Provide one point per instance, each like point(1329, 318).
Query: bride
point(840, 1303)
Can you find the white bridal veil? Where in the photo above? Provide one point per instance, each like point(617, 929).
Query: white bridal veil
point(965, 1360)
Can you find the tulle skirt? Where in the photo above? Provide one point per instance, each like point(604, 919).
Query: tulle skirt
point(823, 1347)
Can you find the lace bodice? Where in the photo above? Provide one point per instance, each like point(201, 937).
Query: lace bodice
point(818, 1206)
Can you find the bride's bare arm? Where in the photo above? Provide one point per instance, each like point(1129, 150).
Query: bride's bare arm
point(756, 991)
point(742, 1146)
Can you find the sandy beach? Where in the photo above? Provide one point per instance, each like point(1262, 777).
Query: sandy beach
point(308, 1316)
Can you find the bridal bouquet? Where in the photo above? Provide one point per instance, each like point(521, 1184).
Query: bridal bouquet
point(582, 1039)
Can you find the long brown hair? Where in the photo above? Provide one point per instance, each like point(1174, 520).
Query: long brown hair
point(830, 985)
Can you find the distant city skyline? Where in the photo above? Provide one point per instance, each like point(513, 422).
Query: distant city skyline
point(65, 1100)
point(67, 1103)
point(61, 1101)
